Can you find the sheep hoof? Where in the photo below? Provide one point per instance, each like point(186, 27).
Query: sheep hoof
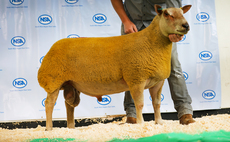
point(71, 127)
point(160, 122)
point(48, 129)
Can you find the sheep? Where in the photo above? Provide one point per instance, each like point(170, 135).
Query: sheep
point(108, 65)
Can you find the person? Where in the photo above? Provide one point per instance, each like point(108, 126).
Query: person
point(136, 15)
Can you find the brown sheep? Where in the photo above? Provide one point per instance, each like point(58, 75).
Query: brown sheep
point(108, 65)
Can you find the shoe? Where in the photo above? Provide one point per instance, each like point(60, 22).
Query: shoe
point(186, 119)
point(131, 120)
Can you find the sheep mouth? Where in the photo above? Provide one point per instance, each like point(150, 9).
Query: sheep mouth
point(182, 32)
point(178, 35)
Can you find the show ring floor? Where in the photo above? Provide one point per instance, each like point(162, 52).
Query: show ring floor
point(206, 128)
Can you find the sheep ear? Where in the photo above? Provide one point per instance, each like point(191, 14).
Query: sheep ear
point(186, 8)
point(158, 9)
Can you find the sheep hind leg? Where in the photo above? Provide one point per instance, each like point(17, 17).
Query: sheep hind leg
point(155, 93)
point(49, 106)
point(72, 99)
point(70, 116)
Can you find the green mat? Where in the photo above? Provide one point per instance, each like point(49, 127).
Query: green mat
point(217, 136)
point(52, 140)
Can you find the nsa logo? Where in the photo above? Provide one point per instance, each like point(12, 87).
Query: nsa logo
point(41, 59)
point(184, 37)
point(185, 75)
point(205, 55)
point(202, 17)
point(44, 19)
point(73, 36)
point(16, 2)
point(19, 83)
point(18, 41)
point(71, 1)
point(208, 94)
point(99, 18)
point(162, 97)
point(43, 102)
point(105, 100)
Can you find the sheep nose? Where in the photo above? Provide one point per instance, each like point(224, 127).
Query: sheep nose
point(186, 26)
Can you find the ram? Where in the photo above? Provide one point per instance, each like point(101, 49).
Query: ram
point(108, 65)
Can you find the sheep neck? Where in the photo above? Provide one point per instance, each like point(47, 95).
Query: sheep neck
point(157, 48)
point(154, 34)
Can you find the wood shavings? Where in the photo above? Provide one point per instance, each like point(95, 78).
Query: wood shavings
point(105, 132)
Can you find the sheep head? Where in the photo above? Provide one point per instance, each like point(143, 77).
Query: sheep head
point(172, 20)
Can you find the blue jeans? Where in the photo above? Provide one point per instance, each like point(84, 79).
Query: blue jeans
point(178, 89)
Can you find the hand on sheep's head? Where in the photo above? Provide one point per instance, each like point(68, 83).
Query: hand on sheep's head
point(175, 37)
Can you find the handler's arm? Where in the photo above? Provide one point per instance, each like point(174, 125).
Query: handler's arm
point(129, 27)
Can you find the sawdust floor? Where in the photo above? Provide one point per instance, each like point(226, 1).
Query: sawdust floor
point(106, 132)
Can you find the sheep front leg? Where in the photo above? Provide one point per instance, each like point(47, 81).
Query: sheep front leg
point(49, 106)
point(155, 93)
point(138, 98)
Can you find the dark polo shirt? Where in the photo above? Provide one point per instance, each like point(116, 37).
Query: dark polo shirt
point(141, 12)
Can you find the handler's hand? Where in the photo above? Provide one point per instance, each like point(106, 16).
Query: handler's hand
point(175, 37)
point(129, 27)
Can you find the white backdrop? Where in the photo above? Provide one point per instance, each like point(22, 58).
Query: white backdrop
point(29, 28)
